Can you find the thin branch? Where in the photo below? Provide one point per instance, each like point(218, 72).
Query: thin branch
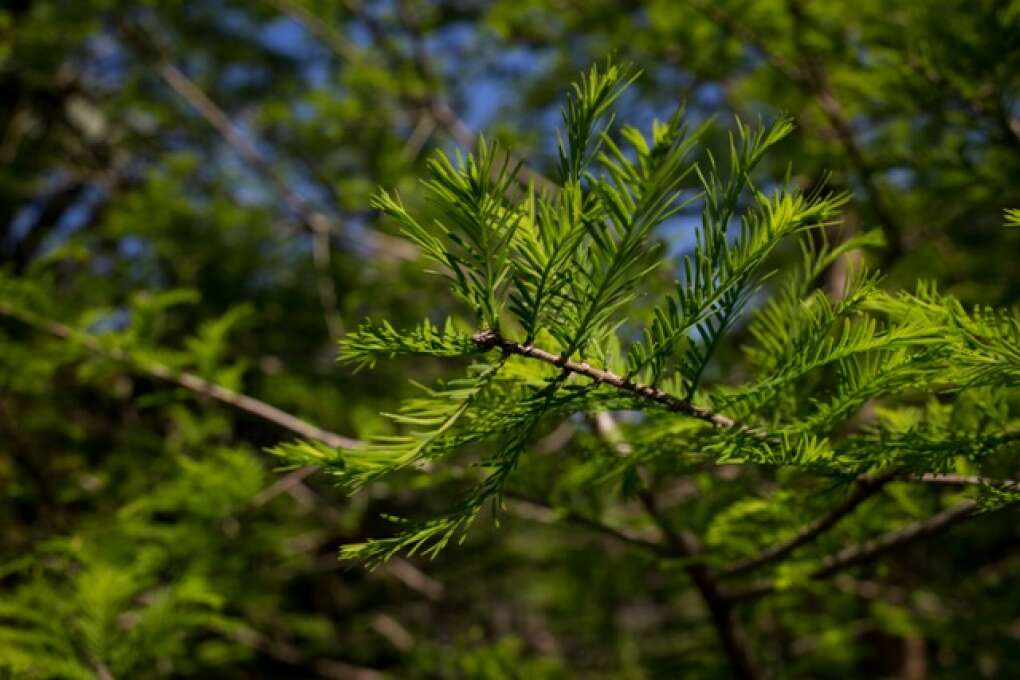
point(393, 631)
point(334, 39)
point(400, 569)
point(462, 134)
point(415, 579)
point(322, 258)
point(866, 552)
point(737, 30)
point(854, 555)
point(536, 510)
point(184, 379)
point(102, 671)
point(312, 220)
point(490, 339)
point(964, 480)
point(285, 483)
point(419, 136)
point(864, 487)
point(317, 224)
point(291, 655)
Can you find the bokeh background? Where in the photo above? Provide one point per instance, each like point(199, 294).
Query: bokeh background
point(185, 184)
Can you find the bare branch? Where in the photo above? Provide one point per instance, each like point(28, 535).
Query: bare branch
point(864, 487)
point(463, 135)
point(317, 224)
point(285, 483)
point(184, 379)
point(102, 671)
point(289, 654)
point(394, 631)
point(334, 39)
point(415, 579)
point(964, 480)
point(538, 511)
point(436, 110)
point(866, 552)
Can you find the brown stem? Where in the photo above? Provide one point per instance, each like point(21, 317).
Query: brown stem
point(289, 654)
point(964, 480)
point(720, 608)
point(326, 32)
point(490, 339)
point(317, 224)
point(102, 671)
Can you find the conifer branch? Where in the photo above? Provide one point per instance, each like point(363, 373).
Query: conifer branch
point(490, 339)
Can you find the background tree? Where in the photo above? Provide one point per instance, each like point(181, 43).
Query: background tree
point(187, 230)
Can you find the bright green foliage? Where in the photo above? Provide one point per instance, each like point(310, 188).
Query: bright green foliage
point(592, 98)
point(433, 417)
point(369, 343)
point(480, 229)
point(579, 259)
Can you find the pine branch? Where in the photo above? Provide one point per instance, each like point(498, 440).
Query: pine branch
point(490, 339)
